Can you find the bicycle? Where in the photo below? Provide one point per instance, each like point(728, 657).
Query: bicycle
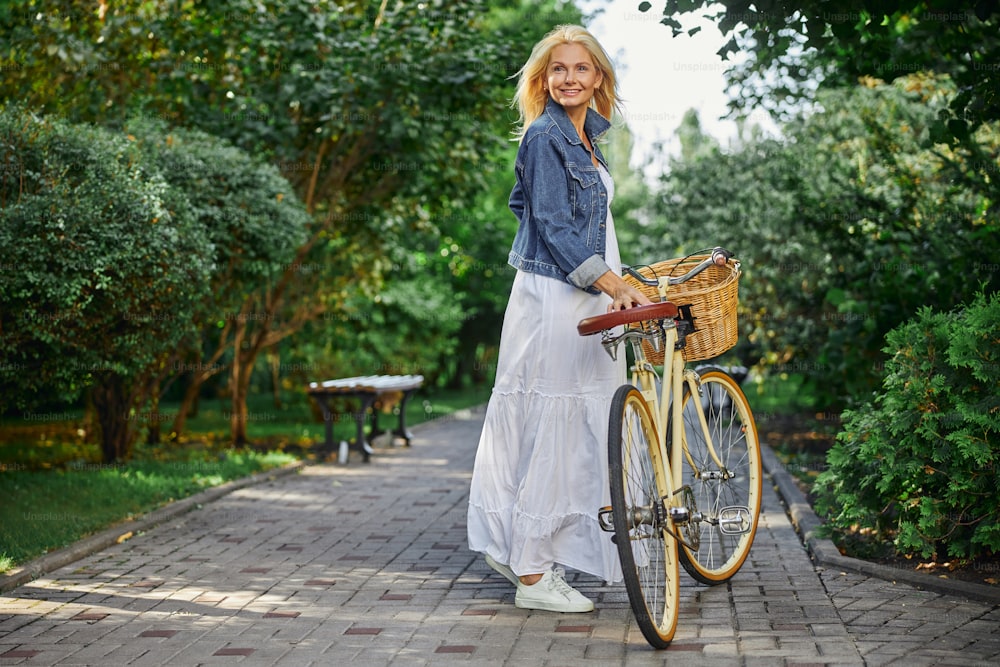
point(685, 496)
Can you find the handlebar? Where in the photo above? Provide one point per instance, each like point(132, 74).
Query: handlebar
point(719, 256)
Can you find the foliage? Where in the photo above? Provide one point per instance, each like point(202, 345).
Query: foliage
point(791, 45)
point(916, 465)
point(457, 251)
point(379, 115)
point(253, 221)
point(92, 294)
point(85, 232)
point(366, 108)
point(846, 228)
point(631, 193)
point(417, 322)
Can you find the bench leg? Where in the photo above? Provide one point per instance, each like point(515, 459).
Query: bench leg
point(324, 406)
point(401, 430)
point(360, 441)
point(374, 431)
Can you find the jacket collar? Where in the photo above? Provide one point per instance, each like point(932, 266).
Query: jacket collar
point(595, 126)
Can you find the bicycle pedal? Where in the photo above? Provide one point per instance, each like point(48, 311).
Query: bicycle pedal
point(605, 521)
point(735, 520)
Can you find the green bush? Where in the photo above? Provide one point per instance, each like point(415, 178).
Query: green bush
point(917, 465)
point(99, 278)
point(254, 223)
point(253, 219)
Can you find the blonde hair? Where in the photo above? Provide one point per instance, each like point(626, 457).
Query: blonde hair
point(531, 96)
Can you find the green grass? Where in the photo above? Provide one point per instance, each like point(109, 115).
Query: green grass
point(50, 509)
point(298, 424)
point(6, 562)
point(55, 489)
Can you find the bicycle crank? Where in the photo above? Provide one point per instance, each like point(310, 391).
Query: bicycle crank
point(637, 516)
point(686, 518)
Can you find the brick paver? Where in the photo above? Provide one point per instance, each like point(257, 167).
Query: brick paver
point(368, 565)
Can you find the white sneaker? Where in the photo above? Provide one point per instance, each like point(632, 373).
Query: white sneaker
point(551, 593)
point(502, 569)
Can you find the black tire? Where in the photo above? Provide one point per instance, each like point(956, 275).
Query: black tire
point(648, 553)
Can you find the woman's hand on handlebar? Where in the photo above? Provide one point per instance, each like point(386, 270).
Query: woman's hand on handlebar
point(627, 297)
point(622, 294)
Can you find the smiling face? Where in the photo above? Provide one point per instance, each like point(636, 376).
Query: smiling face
point(572, 77)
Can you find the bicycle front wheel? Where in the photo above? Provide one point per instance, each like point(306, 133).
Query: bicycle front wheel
point(640, 492)
point(723, 468)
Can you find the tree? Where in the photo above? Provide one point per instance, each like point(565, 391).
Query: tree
point(846, 227)
point(94, 294)
point(374, 115)
point(458, 252)
point(254, 223)
point(361, 102)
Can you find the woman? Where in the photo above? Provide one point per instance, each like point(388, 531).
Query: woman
point(541, 468)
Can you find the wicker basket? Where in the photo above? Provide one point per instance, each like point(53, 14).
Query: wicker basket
point(712, 295)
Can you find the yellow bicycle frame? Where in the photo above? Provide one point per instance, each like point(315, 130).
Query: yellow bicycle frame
point(675, 375)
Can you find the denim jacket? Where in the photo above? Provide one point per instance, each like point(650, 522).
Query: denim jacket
point(560, 200)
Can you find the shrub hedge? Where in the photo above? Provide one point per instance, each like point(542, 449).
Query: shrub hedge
point(99, 277)
point(916, 467)
point(120, 248)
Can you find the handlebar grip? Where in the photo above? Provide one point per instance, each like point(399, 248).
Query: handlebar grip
point(720, 255)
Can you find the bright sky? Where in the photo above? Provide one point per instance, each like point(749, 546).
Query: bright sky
point(660, 76)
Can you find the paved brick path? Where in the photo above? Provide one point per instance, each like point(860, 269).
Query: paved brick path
point(368, 565)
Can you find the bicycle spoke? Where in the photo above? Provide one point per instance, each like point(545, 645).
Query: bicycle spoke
point(648, 552)
point(718, 489)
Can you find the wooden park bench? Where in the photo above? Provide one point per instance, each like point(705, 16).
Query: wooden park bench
point(368, 390)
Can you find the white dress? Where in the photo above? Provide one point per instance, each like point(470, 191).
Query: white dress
point(541, 470)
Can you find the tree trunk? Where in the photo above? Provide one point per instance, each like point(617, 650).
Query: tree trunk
point(239, 417)
point(189, 403)
point(274, 364)
point(90, 426)
point(153, 430)
point(186, 408)
point(112, 403)
point(249, 341)
point(201, 372)
point(237, 387)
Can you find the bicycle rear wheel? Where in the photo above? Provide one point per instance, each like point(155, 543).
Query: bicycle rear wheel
point(639, 483)
point(728, 495)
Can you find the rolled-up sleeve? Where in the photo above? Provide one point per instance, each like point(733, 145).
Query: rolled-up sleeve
point(587, 273)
